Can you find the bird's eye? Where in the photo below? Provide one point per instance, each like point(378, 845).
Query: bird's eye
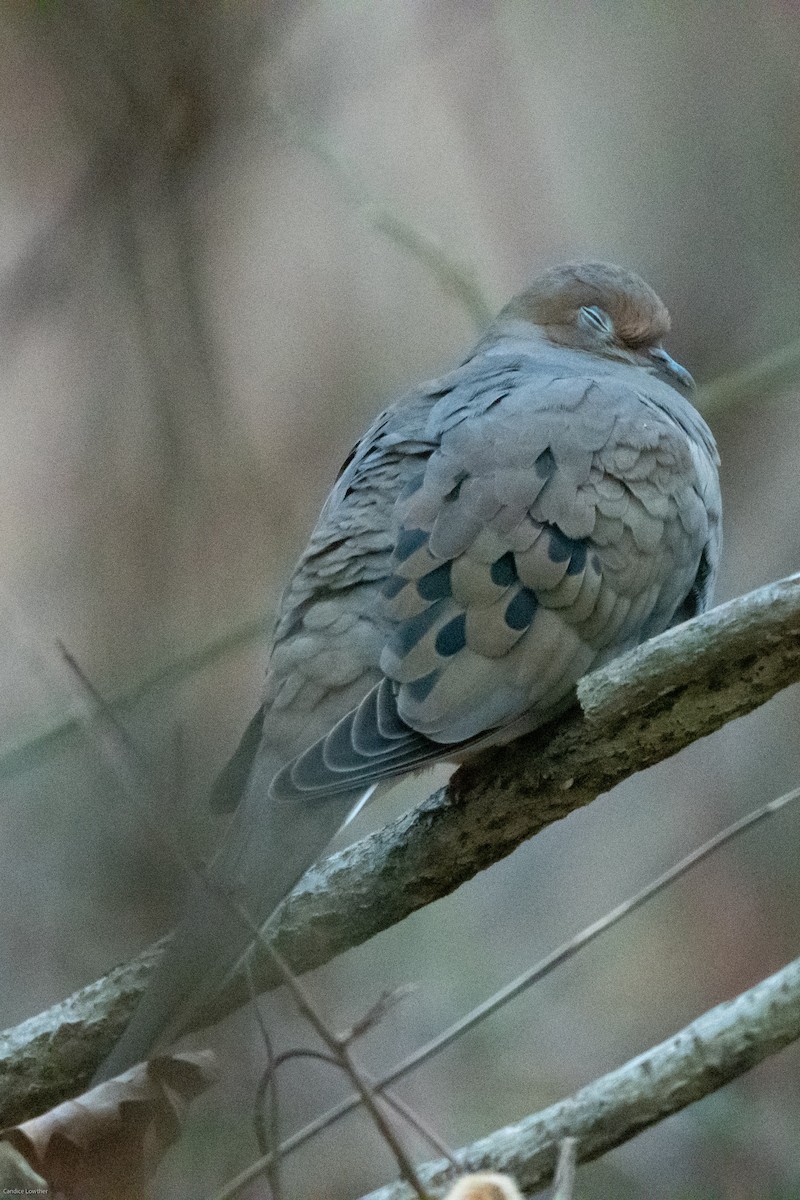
point(596, 320)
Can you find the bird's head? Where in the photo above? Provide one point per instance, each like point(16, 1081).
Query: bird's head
point(603, 309)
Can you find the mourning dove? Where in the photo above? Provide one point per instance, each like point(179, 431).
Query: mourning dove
point(495, 534)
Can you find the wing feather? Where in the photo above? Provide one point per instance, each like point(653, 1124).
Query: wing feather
point(550, 527)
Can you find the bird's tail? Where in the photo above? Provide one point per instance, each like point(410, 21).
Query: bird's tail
point(268, 847)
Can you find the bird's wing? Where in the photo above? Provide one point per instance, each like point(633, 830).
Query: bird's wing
point(487, 545)
point(558, 521)
point(331, 626)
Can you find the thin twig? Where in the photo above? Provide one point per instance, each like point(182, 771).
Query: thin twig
point(713, 1050)
point(28, 752)
point(377, 1011)
point(570, 948)
point(404, 1110)
point(119, 751)
point(268, 1134)
point(638, 710)
point(416, 1122)
point(517, 986)
point(765, 372)
point(564, 1182)
point(341, 1052)
point(372, 1017)
point(120, 754)
point(286, 1056)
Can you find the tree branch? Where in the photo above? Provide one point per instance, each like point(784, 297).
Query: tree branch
point(30, 752)
point(765, 374)
point(637, 711)
point(723, 1043)
point(509, 992)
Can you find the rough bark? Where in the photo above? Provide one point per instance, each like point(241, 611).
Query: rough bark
point(635, 712)
point(723, 1043)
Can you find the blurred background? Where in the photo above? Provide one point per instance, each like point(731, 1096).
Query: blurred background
point(220, 256)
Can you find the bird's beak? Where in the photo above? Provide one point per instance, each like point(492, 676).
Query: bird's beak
point(667, 364)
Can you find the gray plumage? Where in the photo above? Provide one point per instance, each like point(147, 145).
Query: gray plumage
point(547, 505)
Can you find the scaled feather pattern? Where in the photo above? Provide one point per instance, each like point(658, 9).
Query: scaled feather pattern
point(502, 530)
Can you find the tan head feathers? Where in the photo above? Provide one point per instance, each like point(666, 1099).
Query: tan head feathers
point(555, 298)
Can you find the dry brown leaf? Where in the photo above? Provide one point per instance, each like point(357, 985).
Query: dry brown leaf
point(486, 1185)
point(106, 1144)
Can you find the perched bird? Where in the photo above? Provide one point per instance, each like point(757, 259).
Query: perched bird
point(494, 535)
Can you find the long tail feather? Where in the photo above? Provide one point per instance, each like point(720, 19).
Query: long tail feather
point(265, 852)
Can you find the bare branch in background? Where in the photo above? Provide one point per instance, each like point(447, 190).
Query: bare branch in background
point(722, 1044)
point(640, 709)
point(32, 752)
point(120, 754)
point(263, 1164)
point(765, 374)
point(340, 1052)
point(377, 1012)
point(339, 1055)
point(149, 88)
point(267, 1130)
point(517, 986)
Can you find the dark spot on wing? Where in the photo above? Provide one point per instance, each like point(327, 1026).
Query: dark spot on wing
point(405, 638)
point(559, 546)
point(560, 549)
point(393, 586)
point(436, 584)
point(697, 599)
point(413, 485)
point(504, 570)
point(420, 689)
point(409, 541)
point(521, 610)
point(545, 464)
point(578, 559)
point(452, 637)
point(328, 548)
point(454, 492)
